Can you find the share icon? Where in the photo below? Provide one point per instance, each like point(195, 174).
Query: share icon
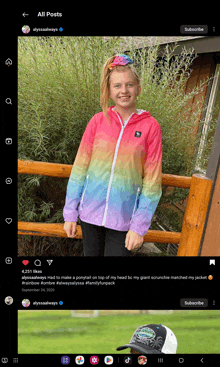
point(49, 262)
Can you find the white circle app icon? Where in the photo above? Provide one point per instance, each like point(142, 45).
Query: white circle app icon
point(80, 360)
point(108, 360)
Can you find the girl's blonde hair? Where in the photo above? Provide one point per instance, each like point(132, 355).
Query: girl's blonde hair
point(105, 83)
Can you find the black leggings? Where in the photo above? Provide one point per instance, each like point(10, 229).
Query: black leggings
point(101, 241)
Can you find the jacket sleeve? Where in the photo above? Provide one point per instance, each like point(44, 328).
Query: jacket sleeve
point(152, 183)
point(78, 173)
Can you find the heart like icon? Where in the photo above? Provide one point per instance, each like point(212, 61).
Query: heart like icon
point(8, 220)
point(25, 262)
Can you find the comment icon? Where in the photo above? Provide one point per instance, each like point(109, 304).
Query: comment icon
point(37, 262)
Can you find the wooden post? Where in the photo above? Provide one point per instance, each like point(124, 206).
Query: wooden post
point(210, 244)
point(210, 241)
point(194, 218)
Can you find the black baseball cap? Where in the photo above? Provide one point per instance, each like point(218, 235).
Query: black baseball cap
point(153, 339)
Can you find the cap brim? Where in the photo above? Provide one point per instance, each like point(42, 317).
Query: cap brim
point(140, 349)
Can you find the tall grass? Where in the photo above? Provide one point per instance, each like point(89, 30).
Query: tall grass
point(164, 79)
point(58, 93)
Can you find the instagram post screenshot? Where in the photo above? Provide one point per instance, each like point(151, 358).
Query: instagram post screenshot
point(112, 186)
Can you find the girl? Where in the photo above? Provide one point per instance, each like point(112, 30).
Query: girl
point(115, 182)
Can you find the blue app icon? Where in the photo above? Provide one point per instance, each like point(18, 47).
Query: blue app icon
point(65, 360)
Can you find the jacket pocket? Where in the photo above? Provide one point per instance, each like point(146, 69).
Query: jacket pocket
point(135, 204)
point(82, 198)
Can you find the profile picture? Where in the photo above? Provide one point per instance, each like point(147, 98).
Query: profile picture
point(25, 303)
point(142, 360)
point(25, 29)
point(8, 300)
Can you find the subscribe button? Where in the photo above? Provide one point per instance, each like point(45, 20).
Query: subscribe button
point(193, 29)
point(194, 302)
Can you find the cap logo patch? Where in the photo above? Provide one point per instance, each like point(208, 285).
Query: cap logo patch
point(147, 336)
point(146, 333)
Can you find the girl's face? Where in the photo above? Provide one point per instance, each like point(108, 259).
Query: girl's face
point(124, 89)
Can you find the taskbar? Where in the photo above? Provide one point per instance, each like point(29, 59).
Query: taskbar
point(112, 359)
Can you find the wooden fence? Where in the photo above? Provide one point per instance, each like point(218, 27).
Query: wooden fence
point(193, 222)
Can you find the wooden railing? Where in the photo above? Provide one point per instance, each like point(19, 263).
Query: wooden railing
point(193, 222)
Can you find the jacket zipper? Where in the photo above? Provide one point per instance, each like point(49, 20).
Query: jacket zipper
point(84, 192)
point(113, 167)
point(135, 203)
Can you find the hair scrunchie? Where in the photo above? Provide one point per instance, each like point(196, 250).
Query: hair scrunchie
point(120, 60)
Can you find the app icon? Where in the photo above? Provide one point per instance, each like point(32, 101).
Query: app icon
point(79, 360)
point(108, 360)
point(127, 360)
point(94, 360)
point(142, 360)
point(65, 360)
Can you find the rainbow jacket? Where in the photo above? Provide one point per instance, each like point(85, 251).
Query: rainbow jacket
point(116, 177)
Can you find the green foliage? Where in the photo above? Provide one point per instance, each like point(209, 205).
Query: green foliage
point(163, 79)
point(58, 93)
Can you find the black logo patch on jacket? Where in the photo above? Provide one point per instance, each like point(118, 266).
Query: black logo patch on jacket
point(137, 134)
